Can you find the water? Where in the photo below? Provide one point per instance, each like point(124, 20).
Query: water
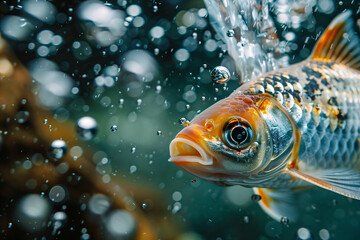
point(143, 71)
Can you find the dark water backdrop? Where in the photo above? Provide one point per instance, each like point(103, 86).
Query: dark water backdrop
point(143, 77)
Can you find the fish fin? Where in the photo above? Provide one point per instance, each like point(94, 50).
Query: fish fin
point(278, 203)
point(339, 43)
point(343, 181)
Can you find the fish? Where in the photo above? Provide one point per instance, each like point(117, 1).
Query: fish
point(289, 129)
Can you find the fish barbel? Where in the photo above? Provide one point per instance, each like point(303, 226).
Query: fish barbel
point(293, 127)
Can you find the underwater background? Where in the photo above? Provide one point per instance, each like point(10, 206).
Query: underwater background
point(140, 69)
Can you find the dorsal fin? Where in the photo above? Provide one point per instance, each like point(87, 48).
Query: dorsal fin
point(339, 43)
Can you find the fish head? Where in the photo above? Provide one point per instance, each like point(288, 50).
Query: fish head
point(228, 143)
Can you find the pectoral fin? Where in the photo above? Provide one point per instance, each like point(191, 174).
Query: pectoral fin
point(278, 203)
point(343, 181)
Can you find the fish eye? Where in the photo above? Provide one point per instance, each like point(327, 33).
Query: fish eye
point(237, 133)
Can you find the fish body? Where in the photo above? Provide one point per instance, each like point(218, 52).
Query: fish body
point(293, 127)
point(323, 100)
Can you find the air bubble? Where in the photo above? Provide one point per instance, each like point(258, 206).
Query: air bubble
point(176, 207)
point(99, 204)
point(256, 197)
point(182, 121)
point(113, 128)
point(86, 127)
point(324, 234)
point(230, 33)
point(303, 234)
point(58, 149)
point(32, 212)
point(57, 194)
point(177, 196)
point(220, 75)
point(284, 221)
point(22, 116)
point(158, 89)
point(133, 169)
point(120, 224)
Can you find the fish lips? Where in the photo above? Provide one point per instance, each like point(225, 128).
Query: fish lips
point(183, 151)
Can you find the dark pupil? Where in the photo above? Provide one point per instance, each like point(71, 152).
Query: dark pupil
point(239, 134)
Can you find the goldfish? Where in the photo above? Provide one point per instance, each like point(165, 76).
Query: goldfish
point(290, 128)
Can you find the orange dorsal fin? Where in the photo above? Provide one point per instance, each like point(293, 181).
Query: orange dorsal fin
point(339, 43)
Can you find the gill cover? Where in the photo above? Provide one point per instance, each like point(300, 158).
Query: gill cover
point(282, 131)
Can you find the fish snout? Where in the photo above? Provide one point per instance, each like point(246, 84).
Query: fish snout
point(190, 147)
point(183, 150)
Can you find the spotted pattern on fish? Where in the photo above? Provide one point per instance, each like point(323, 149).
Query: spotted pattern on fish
point(324, 100)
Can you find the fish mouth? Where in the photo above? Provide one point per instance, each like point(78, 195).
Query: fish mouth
point(183, 150)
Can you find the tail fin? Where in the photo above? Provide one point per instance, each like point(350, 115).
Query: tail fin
point(339, 43)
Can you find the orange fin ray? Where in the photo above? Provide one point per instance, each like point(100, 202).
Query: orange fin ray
point(278, 203)
point(343, 181)
point(339, 42)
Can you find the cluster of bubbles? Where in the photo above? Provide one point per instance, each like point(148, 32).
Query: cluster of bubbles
point(249, 33)
point(119, 224)
point(54, 86)
point(248, 30)
point(176, 196)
